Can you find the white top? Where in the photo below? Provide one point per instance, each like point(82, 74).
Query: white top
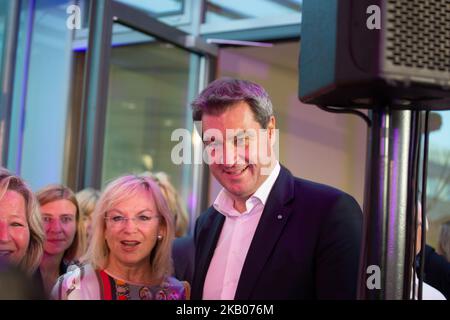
point(428, 292)
point(237, 233)
point(84, 283)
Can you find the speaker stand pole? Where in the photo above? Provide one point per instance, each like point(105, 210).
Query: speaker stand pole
point(384, 246)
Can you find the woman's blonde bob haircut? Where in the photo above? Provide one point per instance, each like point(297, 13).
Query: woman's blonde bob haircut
point(87, 199)
point(9, 182)
point(121, 189)
point(55, 192)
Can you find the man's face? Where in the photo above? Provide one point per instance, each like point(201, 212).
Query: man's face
point(237, 147)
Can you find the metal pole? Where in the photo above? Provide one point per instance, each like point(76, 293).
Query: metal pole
point(7, 69)
point(204, 72)
point(200, 182)
point(385, 236)
point(95, 93)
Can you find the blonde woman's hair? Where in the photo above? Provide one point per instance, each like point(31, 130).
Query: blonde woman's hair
point(174, 202)
point(55, 192)
point(121, 189)
point(9, 182)
point(87, 199)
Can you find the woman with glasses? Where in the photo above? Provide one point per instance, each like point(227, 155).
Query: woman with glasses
point(64, 232)
point(129, 255)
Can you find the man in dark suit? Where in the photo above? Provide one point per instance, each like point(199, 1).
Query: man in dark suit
point(268, 235)
point(183, 255)
point(436, 271)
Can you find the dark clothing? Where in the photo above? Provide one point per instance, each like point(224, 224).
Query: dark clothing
point(436, 271)
point(183, 255)
point(16, 285)
point(306, 245)
point(37, 276)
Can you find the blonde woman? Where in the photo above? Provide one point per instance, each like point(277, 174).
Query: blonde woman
point(21, 232)
point(129, 254)
point(65, 240)
point(87, 199)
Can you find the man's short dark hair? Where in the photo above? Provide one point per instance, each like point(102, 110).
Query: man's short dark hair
point(223, 93)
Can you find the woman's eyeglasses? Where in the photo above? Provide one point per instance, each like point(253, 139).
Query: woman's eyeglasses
point(141, 220)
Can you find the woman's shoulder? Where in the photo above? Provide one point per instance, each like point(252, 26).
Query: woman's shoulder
point(69, 265)
point(77, 271)
point(75, 283)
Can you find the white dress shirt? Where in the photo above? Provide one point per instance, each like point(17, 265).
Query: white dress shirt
point(237, 233)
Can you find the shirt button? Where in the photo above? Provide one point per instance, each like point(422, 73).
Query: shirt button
point(279, 217)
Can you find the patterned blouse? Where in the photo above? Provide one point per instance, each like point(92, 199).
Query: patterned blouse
point(114, 289)
point(85, 283)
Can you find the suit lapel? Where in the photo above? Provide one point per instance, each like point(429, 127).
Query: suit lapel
point(274, 217)
point(205, 250)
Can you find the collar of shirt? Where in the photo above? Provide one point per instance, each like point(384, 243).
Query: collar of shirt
point(225, 204)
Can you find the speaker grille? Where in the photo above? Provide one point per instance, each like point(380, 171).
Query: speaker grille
point(418, 34)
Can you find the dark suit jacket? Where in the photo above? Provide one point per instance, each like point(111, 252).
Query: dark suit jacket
point(183, 255)
point(436, 271)
point(306, 245)
point(16, 285)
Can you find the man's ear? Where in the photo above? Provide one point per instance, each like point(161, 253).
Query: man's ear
point(271, 129)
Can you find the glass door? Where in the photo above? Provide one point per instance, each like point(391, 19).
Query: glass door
point(141, 76)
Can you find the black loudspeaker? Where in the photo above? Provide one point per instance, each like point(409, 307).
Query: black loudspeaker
point(364, 54)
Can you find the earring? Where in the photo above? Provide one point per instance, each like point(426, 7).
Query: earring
point(159, 237)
